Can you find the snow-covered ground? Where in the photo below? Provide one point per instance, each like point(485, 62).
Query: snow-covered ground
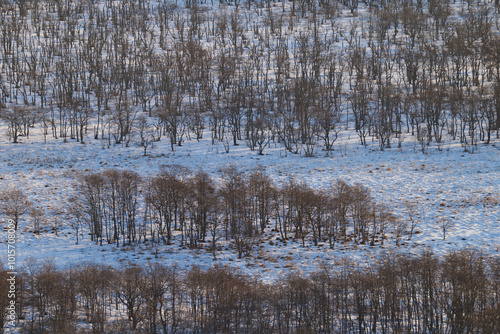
point(446, 184)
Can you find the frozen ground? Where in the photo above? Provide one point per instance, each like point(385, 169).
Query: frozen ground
point(446, 184)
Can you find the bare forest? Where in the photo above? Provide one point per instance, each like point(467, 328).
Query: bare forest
point(251, 73)
point(106, 107)
point(457, 294)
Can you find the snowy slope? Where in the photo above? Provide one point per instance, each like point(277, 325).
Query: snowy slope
point(447, 184)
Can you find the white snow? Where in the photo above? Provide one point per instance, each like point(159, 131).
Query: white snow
point(442, 184)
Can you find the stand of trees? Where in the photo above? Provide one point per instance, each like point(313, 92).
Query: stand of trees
point(192, 209)
point(416, 294)
point(291, 74)
point(109, 202)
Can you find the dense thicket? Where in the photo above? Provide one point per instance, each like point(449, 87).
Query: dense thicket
point(291, 74)
point(238, 208)
point(400, 294)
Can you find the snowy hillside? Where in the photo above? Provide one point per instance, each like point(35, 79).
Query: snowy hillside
point(447, 184)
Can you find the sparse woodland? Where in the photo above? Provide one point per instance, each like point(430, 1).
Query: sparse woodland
point(400, 294)
point(258, 73)
point(239, 209)
point(289, 74)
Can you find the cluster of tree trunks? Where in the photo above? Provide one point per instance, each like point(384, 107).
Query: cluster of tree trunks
point(239, 208)
point(398, 294)
point(263, 73)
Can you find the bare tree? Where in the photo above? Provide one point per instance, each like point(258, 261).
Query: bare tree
point(14, 203)
point(360, 103)
point(145, 133)
point(445, 225)
point(36, 214)
point(361, 212)
point(14, 119)
point(411, 209)
point(261, 195)
point(95, 287)
point(235, 210)
point(166, 195)
point(123, 120)
point(128, 287)
point(342, 200)
point(203, 206)
point(77, 211)
point(173, 117)
point(399, 228)
point(92, 190)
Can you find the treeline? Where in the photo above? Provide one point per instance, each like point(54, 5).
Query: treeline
point(292, 74)
point(239, 208)
point(399, 294)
